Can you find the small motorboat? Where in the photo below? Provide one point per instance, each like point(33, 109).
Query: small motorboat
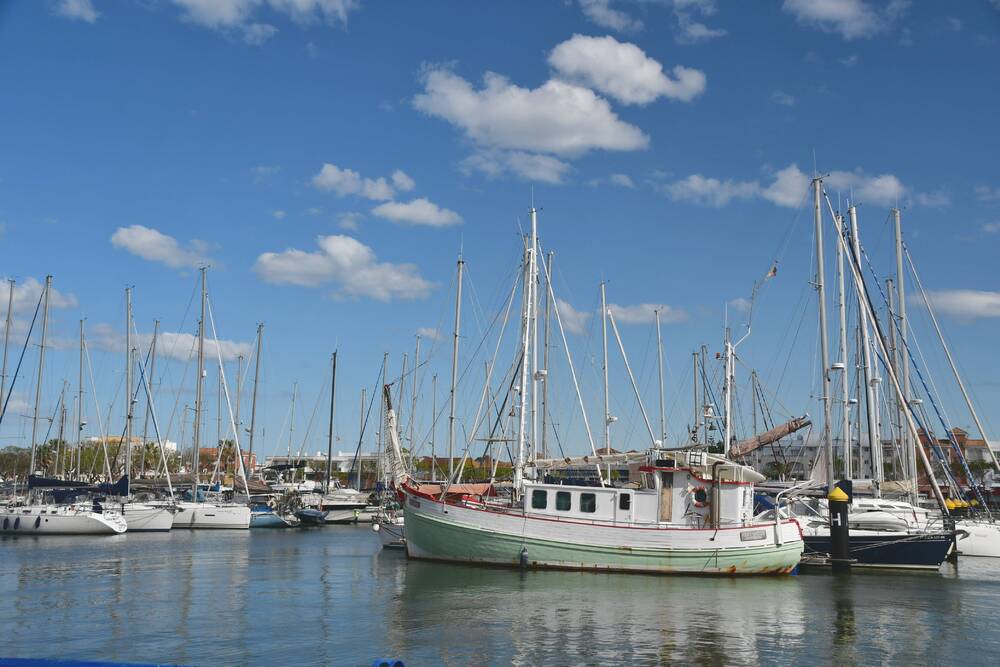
point(311, 517)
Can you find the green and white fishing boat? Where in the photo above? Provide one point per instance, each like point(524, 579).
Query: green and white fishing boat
point(683, 511)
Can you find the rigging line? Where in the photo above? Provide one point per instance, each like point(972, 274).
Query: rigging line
point(97, 409)
point(856, 262)
point(379, 379)
point(24, 348)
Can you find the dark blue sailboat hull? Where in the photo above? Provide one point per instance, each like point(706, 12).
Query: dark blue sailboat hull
point(920, 551)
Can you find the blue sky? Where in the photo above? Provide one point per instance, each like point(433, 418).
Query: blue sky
point(329, 159)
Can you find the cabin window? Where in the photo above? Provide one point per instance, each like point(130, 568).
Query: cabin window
point(539, 499)
point(588, 502)
point(562, 501)
point(625, 501)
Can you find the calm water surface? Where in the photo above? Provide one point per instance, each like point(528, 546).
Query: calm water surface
point(329, 596)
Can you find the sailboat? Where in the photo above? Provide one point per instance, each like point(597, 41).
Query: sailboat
point(199, 513)
point(683, 511)
point(43, 518)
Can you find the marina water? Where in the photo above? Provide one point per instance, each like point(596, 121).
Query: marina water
point(330, 596)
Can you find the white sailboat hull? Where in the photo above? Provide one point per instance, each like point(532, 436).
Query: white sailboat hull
point(978, 538)
point(211, 516)
point(59, 520)
point(142, 517)
point(391, 532)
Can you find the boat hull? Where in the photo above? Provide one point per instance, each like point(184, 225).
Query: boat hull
point(918, 551)
point(141, 517)
point(269, 520)
point(978, 538)
point(438, 531)
point(391, 532)
point(208, 516)
point(55, 520)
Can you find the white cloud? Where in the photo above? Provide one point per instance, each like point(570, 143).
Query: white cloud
point(26, 295)
point(966, 304)
point(429, 333)
point(263, 172)
point(740, 304)
point(643, 313)
point(782, 98)
point(417, 212)
point(933, 199)
point(986, 193)
point(230, 16)
point(788, 187)
point(315, 210)
point(349, 182)
point(623, 71)
point(691, 29)
point(849, 61)
point(991, 227)
point(348, 263)
point(256, 34)
point(557, 117)
point(173, 345)
point(574, 321)
point(77, 10)
point(622, 180)
point(603, 14)
point(954, 24)
point(851, 19)
point(885, 189)
point(155, 246)
point(709, 191)
point(349, 220)
point(279, 215)
point(402, 182)
point(527, 166)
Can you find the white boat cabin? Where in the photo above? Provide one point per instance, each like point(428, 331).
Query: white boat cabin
point(693, 489)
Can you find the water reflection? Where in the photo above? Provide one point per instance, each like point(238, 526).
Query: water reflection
point(233, 598)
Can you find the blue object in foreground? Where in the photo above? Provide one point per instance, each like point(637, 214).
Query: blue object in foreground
point(387, 662)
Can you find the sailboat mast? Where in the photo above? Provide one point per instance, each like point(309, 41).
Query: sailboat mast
point(659, 360)
point(199, 389)
point(604, 370)
point(727, 392)
point(61, 443)
point(38, 382)
point(526, 337)
point(253, 401)
point(413, 398)
point(844, 385)
point(906, 442)
point(128, 383)
point(545, 358)
point(239, 390)
point(827, 442)
point(329, 437)
point(697, 407)
point(874, 440)
point(291, 423)
point(149, 407)
point(6, 338)
point(361, 435)
point(434, 402)
point(454, 369)
point(80, 422)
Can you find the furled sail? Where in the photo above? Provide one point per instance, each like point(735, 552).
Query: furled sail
point(744, 447)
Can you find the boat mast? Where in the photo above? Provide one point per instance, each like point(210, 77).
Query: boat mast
point(152, 370)
point(526, 337)
point(361, 435)
point(434, 399)
point(844, 386)
point(727, 390)
point(329, 437)
point(705, 408)
point(413, 398)
point(874, 439)
point(6, 338)
point(291, 423)
point(895, 421)
point(697, 407)
point(659, 359)
point(61, 442)
point(128, 385)
point(239, 388)
point(604, 370)
point(454, 370)
point(38, 382)
point(827, 442)
point(253, 401)
point(199, 388)
point(905, 441)
point(80, 421)
point(545, 358)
